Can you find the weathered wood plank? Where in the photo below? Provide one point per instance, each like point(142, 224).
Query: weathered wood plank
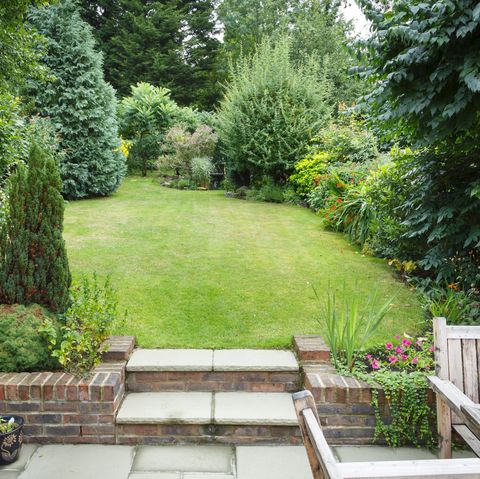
point(470, 369)
point(470, 438)
point(454, 398)
point(439, 469)
point(463, 332)
point(322, 461)
point(441, 347)
point(455, 362)
point(471, 415)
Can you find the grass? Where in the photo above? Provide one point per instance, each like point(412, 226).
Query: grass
point(197, 269)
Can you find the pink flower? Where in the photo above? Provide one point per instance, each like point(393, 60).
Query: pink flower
point(406, 342)
point(375, 364)
point(418, 343)
point(431, 349)
point(415, 360)
point(393, 359)
point(388, 346)
point(368, 356)
point(404, 357)
point(398, 350)
point(397, 337)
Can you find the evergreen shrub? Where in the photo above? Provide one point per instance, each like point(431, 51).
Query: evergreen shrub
point(33, 259)
point(80, 103)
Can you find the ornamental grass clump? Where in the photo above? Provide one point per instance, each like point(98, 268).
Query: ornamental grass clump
point(350, 325)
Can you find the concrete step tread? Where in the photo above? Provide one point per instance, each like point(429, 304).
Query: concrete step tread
point(232, 408)
point(221, 360)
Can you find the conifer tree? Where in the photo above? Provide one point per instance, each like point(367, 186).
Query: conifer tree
point(80, 103)
point(33, 260)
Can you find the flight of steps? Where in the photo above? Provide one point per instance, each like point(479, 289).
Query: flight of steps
point(203, 396)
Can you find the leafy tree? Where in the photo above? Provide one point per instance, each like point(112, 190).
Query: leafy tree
point(271, 109)
point(33, 260)
point(21, 45)
point(145, 116)
point(423, 63)
point(20, 52)
point(315, 27)
point(170, 43)
point(79, 101)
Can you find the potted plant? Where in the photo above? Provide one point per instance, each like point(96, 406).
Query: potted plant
point(11, 438)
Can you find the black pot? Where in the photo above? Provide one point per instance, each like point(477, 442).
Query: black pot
point(11, 442)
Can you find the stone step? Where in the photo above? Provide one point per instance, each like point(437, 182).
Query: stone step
point(150, 370)
point(197, 417)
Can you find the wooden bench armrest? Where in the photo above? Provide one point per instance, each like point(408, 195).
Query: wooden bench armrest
point(450, 394)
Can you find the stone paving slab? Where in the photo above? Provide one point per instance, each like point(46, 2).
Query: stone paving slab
point(254, 408)
point(79, 462)
point(13, 470)
point(254, 360)
point(207, 476)
point(171, 360)
point(155, 475)
point(166, 407)
point(272, 462)
point(201, 458)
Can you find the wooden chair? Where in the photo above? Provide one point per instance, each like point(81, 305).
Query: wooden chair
point(325, 466)
point(457, 357)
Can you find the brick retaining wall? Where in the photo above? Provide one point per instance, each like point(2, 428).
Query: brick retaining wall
point(59, 408)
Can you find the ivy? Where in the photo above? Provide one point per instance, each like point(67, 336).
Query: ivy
point(404, 417)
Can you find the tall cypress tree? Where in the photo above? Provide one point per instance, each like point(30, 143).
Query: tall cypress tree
point(80, 103)
point(33, 260)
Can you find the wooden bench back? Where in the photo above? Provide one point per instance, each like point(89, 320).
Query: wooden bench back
point(457, 356)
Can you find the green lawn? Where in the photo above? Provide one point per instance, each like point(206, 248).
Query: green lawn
point(197, 269)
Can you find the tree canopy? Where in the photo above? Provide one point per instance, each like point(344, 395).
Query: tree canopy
point(168, 43)
point(424, 64)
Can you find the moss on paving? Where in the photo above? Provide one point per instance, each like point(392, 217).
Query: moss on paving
point(197, 269)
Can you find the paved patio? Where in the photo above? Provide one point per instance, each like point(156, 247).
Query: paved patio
point(158, 462)
point(186, 462)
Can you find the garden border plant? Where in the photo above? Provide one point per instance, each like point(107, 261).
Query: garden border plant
point(400, 367)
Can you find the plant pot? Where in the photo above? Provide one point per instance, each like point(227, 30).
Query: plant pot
point(11, 442)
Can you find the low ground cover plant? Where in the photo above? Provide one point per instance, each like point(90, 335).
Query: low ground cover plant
point(22, 346)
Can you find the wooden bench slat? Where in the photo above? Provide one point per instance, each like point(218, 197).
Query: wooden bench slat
point(437, 468)
point(470, 369)
point(463, 332)
point(468, 437)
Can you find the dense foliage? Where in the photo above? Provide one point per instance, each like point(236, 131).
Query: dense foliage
point(80, 103)
point(315, 26)
point(33, 260)
point(166, 43)
point(87, 323)
point(423, 62)
point(145, 116)
point(271, 109)
point(22, 348)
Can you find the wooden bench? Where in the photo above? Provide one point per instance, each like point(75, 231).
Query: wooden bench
point(457, 357)
point(325, 466)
